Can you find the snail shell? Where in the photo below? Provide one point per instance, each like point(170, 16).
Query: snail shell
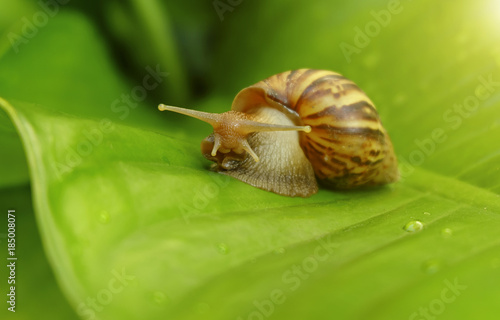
point(286, 130)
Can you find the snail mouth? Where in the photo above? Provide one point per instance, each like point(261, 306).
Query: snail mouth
point(225, 159)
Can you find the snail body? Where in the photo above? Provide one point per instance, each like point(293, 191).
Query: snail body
point(291, 128)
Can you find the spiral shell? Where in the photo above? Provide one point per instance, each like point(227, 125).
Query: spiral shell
point(348, 146)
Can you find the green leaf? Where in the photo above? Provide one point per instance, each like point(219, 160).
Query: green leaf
point(136, 226)
point(36, 290)
point(13, 169)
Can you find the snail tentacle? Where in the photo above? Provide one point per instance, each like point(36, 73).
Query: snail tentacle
point(247, 148)
point(216, 145)
point(211, 118)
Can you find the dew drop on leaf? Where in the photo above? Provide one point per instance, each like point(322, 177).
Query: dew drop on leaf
point(222, 248)
point(159, 297)
point(413, 226)
point(104, 216)
point(279, 250)
point(431, 266)
point(446, 232)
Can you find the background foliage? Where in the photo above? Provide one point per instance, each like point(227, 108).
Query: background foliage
point(133, 225)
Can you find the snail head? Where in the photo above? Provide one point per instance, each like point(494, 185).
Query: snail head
point(228, 143)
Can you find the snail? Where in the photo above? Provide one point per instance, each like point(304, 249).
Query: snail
point(293, 129)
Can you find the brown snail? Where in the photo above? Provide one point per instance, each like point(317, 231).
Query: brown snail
point(283, 131)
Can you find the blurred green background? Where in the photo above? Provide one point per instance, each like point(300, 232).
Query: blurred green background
point(102, 182)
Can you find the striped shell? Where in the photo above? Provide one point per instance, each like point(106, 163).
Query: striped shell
point(348, 146)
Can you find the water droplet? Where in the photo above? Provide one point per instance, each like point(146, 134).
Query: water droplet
point(431, 266)
point(279, 251)
point(222, 248)
point(159, 297)
point(104, 216)
point(427, 213)
point(446, 232)
point(413, 226)
point(202, 307)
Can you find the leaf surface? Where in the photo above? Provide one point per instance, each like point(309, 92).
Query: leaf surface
point(126, 204)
